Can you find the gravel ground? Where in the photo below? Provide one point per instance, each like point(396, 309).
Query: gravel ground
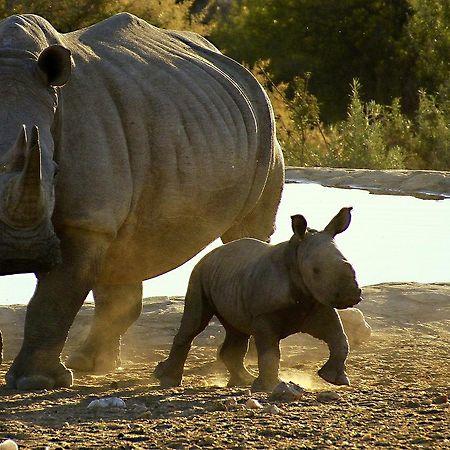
point(398, 398)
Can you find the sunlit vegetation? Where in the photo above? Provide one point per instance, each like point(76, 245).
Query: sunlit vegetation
point(354, 83)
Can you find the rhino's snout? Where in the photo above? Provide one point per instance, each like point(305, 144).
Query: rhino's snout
point(29, 252)
point(345, 300)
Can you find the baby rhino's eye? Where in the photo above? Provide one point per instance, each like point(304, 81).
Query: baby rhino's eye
point(316, 271)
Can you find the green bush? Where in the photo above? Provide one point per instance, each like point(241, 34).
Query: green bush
point(432, 133)
point(362, 139)
point(372, 136)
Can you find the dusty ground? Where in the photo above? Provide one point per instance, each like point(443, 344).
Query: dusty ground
point(397, 400)
point(400, 377)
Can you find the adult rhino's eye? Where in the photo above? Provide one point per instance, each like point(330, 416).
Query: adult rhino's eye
point(316, 271)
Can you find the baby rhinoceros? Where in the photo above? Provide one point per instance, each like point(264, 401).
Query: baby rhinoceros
point(269, 292)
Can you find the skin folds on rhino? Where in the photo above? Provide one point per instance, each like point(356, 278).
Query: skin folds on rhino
point(269, 292)
point(124, 150)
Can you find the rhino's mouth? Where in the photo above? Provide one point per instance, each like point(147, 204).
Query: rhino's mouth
point(16, 266)
point(348, 303)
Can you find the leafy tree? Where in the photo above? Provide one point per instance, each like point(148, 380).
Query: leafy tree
point(427, 41)
point(69, 15)
point(334, 41)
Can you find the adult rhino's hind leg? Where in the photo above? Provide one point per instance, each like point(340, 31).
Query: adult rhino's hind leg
point(324, 323)
point(196, 316)
point(232, 353)
point(116, 308)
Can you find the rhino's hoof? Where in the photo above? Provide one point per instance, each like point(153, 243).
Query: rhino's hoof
point(241, 380)
point(165, 376)
point(260, 385)
point(62, 378)
point(80, 362)
point(92, 363)
point(333, 376)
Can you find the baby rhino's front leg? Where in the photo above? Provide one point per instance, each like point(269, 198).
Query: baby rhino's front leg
point(324, 323)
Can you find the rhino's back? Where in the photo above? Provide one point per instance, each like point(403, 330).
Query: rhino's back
point(162, 142)
point(172, 146)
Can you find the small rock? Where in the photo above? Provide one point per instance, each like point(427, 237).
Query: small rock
point(273, 409)
point(107, 402)
point(286, 392)
point(328, 396)
point(412, 404)
point(251, 403)
point(440, 399)
point(9, 444)
point(230, 401)
point(139, 408)
point(187, 412)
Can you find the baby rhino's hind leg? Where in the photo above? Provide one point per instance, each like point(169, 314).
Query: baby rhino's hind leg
point(196, 316)
point(232, 353)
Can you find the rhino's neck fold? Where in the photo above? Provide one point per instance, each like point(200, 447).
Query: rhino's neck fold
point(299, 290)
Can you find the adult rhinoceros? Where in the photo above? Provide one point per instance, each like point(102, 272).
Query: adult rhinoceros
point(161, 144)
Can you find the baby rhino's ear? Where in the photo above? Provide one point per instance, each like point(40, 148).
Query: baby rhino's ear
point(339, 222)
point(299, 225)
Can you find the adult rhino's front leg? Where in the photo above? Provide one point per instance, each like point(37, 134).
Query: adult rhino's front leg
point(58, 297)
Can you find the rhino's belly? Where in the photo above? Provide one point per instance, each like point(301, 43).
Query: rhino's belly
point(235, 315)
point(151, 251)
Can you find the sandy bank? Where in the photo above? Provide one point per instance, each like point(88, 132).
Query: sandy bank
point(426, 184)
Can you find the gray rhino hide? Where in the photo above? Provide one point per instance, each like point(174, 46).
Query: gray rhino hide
point(162, 142)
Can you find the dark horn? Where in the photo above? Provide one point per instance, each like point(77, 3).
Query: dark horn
point(14, 159)
point(25, 204)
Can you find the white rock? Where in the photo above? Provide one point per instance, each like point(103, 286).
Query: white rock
point(251, 403)
point(287, 392)
point(273, 409)
point(107, 402)
point(355, 325)
point(9, 444)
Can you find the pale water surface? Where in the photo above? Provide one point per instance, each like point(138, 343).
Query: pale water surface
point(391, 238)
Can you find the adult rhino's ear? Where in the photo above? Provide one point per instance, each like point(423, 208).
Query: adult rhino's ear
point(339, 222)
point(299, 225)
point(55, 63)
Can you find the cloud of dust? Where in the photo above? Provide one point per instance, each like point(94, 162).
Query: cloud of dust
point(305, 380)
point(216, 379)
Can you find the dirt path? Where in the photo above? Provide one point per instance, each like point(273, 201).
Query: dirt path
point(397, 400)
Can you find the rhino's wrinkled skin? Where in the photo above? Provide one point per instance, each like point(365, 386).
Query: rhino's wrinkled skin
point(269, 292)
point(124, 150)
